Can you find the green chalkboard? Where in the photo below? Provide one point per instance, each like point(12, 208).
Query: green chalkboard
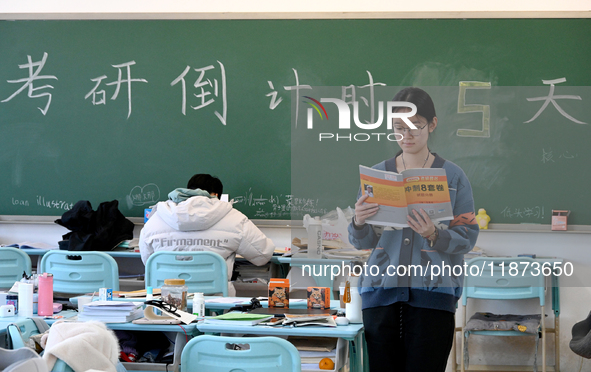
point(129, 110)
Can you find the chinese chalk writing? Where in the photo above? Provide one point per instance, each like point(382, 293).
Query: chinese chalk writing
point(354, 101)
point(274, 101)
point(548, 155)
point(524, 212)
point(277, 206)
point(550, 98)
point(147, 194)
point(28, 82)
point(128, 80)
point(202, 95)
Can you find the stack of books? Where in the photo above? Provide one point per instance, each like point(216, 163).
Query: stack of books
point(313, 349)
point(111, 311)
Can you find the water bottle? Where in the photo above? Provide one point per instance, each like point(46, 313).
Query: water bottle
point(198, 305)
point(315, 238)
point(25, 299)
point(353, 301)
point(45, 307)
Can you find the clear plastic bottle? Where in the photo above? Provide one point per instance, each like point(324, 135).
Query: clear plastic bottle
point(315, 238)
point(199, 305)
point(174, 292)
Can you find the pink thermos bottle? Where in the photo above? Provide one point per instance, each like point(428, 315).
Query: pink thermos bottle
point(45, 307)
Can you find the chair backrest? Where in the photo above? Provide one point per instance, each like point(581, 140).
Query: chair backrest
point(18, 334)
point(13, 262)
point(81, 272)
point(219, 354)
point(203, 271)
point(497, 278)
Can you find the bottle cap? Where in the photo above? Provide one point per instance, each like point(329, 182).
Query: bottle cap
point(198, 295)
point(174, 281)
point(149, 290)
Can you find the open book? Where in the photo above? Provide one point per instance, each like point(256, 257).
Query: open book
point(399, 193)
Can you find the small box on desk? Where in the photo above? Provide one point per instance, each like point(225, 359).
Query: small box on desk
point(318, 298)
point(279, 293)
point(559, 220)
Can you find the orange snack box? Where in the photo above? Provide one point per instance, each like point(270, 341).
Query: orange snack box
point(279, 293)
point(318, 298)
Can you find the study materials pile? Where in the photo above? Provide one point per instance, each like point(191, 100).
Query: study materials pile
point(313, 350)
point(111, 311)
point(237, 318)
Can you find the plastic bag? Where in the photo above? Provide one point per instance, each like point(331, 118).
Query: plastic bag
point(334, 225)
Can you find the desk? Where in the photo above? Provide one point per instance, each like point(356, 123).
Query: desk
point(353, 333)
point(183, 332)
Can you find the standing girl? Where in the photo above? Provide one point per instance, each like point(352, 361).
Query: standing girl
point(409, 319)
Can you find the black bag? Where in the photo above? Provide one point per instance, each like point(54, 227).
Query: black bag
point(100, 230)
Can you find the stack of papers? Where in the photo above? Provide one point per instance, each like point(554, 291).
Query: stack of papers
point(236, 318)
point(111, 311)
point(313, 350)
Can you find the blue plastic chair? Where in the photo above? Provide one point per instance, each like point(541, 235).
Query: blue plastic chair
point(13, 262)
point(81, 272)
point(18, 334)
point(223, 354)
point(202, 271)
point(493, 280)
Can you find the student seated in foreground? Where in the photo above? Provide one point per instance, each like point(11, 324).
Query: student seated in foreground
point(194, 219)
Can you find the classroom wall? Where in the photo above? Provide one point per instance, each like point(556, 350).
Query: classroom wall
point(266, 8)
point(575, 291)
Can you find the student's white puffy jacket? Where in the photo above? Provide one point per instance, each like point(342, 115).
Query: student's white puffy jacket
point(203, 224)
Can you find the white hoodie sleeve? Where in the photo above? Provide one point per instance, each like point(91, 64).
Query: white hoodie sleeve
point(255, 246)
point(146, 248)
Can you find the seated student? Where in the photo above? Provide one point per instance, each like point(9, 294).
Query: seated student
point(194, 219)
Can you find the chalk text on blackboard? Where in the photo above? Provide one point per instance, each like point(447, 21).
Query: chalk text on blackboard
point(28, 82)
point(551, 98)
point(548, 155)
point(54, 204)
point(202, 95)
point(523, 212)
point(142, 195)
point(128, 80)
point(22, 203)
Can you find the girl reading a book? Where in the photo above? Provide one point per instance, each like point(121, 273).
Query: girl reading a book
point(408, 303)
